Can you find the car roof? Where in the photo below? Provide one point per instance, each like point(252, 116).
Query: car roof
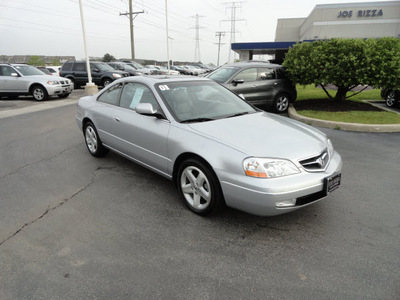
point(252, 64)
point(153, 79)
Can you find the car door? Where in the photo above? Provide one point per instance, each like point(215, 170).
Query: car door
point(143, 138)
point(245, 82)
point(96, 74)
point(80, 73)
point(103, 115)
point(267, 84)
point(10, 83)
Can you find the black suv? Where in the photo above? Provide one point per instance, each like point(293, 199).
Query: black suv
point(261, 83)
point(102, 74)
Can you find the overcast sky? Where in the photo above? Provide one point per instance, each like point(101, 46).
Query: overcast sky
point(53, 27)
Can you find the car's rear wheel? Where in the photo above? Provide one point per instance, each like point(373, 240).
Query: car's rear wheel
point(281, 103)
point(199, 187)
point(39, 93)
point(392, 98)
point(76, 86)
point(93, 142)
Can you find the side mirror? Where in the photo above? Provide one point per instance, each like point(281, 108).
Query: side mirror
point(237, 81)
point(147, 109)
point(96, 70)
point(242, 96)
point(14, 75)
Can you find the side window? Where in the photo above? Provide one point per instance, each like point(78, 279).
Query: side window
point(111, 95)
point(79, 67)
point(134, 93)
point(247, 75)
point(266, 73)
point(67, 66)
point(6, 71)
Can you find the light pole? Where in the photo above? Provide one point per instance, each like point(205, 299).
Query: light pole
point(166, 21)
point(90, 88)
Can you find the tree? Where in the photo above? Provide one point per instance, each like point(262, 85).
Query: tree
point(108, 57)
point(345, 63)
point(55, 62)
point(36, 61)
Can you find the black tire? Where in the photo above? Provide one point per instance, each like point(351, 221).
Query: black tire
point(93, 142)
point(281, 103)
point(76, 86)
point(63, 96)
point(39, 93)
point(392, 98)
point(199, 187)
point(106, 81)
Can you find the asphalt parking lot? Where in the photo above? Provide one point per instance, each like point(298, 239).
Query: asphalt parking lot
point(77, 227)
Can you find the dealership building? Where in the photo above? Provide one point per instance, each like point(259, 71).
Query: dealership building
point(326, 21)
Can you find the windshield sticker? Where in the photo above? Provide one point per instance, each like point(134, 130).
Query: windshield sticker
point(164, 87)
point(136, 98)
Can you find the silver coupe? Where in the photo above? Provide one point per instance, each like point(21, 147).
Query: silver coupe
point(217, 148)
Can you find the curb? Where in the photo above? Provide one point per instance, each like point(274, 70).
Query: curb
point(380, 128)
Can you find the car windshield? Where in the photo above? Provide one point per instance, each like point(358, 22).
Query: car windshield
point(104, 67)
point(129, 68)
point(223, 74)
point(136, 65)
point(199, 101)
point(29, 70)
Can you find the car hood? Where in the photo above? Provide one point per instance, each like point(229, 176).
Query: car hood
point(47, 77)
point(265, 135)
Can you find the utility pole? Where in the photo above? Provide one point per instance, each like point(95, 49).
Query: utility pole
point(197, 38)
point(131, 18)
point(219, 34)
point(233, 6)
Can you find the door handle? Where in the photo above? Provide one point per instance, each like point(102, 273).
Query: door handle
point(117, 119)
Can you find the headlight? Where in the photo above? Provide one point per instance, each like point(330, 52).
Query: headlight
point(269, 167)
point(115, 75)
point(52, 82)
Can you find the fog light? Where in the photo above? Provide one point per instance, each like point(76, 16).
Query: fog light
point(286, 203)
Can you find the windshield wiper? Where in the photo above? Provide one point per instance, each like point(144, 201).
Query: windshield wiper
point(238, 114)
point(197, 120)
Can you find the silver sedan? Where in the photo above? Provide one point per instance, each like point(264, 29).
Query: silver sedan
point(218, 149)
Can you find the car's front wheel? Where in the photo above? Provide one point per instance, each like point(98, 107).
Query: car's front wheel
point(106, 81)
point(281, 103)
point(39, 93)
point(93, 142)
point(199, 187)
point(392, 98)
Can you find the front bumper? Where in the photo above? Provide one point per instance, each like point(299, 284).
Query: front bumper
point(59, 89)
point(259, 196)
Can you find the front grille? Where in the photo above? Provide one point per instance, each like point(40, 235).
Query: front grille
point(316, 163)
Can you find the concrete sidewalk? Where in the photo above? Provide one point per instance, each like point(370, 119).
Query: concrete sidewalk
point(26, 104)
